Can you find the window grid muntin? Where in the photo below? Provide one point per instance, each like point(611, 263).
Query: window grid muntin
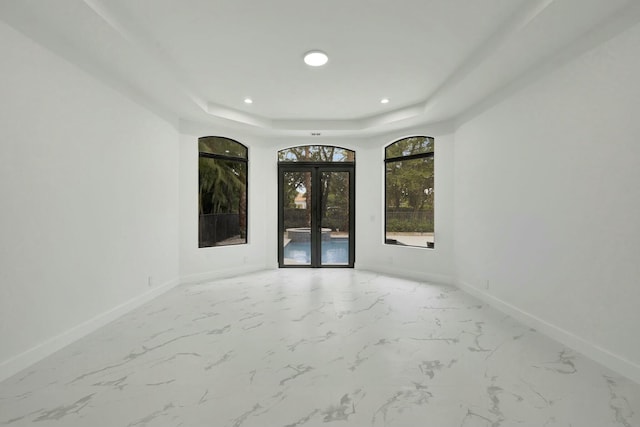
point(428, 144)
point(240, 159)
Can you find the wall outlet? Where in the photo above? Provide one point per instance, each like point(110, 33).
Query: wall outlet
point(150, 281)
point(486, 285)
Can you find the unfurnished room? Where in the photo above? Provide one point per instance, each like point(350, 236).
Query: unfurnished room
point(303, 213)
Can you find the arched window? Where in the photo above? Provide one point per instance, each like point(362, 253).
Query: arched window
point(409, 192)
point(316, 153)
point(222, 192)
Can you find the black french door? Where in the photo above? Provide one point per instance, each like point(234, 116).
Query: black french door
point(316, 225)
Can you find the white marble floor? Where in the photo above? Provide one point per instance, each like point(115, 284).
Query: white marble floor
point(317, 347)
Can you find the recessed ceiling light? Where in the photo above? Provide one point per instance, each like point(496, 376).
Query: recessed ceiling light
point(384, 101)
point(315, 58)
point(248, 101)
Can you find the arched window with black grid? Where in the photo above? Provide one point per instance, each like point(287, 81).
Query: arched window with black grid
point(409, 192)
point(222, 192)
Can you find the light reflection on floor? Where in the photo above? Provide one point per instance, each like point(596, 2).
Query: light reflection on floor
point(313, 347)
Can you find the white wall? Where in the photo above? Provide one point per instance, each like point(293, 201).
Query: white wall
point(89, 191)
point(99, 195)
point(261, 252)
point(547, 204)
point(206, 263)
point(372, 254)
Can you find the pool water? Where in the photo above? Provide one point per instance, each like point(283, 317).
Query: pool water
point(334, 251)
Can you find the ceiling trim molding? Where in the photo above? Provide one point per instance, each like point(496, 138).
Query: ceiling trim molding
point(616, 24)
point(146, 47)
point(516, 23)
point(519, 20)
point(211, 113)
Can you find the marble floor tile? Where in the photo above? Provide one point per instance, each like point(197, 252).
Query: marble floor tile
point(317, 348)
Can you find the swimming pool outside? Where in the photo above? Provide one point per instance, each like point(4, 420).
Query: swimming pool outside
point(334, 251)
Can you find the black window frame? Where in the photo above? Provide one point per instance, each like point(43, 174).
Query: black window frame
point(401, 158)
point(316, 167)
point(226, 158)
point(316, 154)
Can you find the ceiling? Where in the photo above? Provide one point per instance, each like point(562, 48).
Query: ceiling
point(435, 60)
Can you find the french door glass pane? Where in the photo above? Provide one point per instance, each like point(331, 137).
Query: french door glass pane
point(296, 187)
point(334, 218)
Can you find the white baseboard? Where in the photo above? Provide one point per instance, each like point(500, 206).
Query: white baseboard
point(420, 276)
point(23, 360)
point(612, 361)
point(604, 357)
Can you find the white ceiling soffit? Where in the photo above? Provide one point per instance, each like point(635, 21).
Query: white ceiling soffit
point(436, 60)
